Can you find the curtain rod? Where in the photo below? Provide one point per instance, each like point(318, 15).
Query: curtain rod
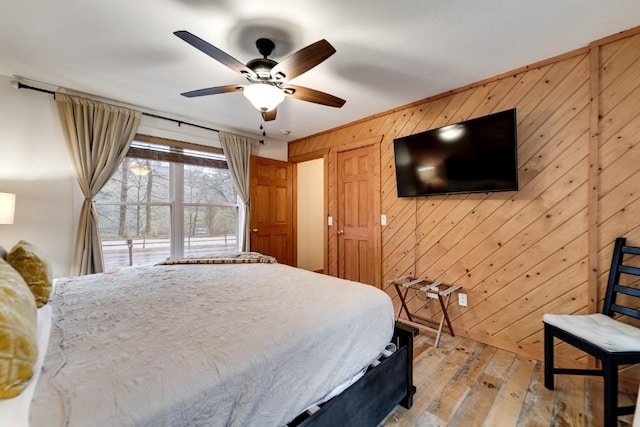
point(179, 122)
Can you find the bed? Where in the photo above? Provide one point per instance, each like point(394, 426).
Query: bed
point(237, 341)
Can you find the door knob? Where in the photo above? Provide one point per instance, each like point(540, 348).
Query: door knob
point(255, 230)
point(340, 231)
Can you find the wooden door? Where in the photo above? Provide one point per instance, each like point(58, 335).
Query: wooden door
point(271, 208)
point(358, 213)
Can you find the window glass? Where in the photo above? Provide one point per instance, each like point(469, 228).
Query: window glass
point(138, 180)
point(209, 229)
point(143, 236)
point(208, 185)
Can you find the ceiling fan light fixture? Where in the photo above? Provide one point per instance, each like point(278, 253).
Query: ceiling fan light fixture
point(263, 96)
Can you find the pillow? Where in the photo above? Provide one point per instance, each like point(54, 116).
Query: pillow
point(34, 269)
point(18, 338)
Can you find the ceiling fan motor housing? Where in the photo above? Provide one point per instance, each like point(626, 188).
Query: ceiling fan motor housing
point(262, 67)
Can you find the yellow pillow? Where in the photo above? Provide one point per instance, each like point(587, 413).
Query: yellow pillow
point(34, 269)
point(18, 324)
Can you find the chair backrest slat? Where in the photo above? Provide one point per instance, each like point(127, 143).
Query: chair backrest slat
point(629, 270)
point(627, 304)
point(632, 312)
point(631, 250)
point(627, 290)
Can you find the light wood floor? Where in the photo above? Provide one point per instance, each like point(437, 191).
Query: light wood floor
point(466, 383)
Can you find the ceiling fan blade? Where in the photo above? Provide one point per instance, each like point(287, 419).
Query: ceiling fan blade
point(302, 60)
point(312, 95)
point(213, 90)
point(216, 53)
point(267, 116)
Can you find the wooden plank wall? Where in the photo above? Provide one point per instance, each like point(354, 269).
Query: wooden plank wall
point(546, 247)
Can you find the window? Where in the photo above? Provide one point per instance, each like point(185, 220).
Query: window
point(157, 179)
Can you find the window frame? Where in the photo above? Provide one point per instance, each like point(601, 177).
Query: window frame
point(177, 159)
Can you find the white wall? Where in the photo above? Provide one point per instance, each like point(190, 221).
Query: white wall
point(35, 166)
point(311, 219)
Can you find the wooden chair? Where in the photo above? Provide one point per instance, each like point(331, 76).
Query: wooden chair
point(611, 341)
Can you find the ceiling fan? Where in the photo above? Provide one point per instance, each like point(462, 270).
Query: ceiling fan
point(268, 80)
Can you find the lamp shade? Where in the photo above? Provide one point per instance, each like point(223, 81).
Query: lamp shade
point(263, 96)
point(7, 207)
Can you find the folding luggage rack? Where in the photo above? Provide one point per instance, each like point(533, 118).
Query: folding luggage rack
point(432, 290)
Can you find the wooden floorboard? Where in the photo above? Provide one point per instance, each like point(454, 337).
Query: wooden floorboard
point(465, 383)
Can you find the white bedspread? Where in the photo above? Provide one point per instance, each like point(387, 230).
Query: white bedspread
point(204, 345)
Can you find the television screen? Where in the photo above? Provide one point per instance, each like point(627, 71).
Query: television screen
point(478, 155)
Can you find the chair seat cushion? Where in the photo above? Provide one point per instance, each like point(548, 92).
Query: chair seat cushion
point(599, 329)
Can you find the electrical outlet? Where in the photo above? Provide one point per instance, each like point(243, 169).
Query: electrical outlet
point(462, 299)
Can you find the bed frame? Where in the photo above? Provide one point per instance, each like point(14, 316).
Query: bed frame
point(369, 400)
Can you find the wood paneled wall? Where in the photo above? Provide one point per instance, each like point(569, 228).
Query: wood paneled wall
point(546, 247)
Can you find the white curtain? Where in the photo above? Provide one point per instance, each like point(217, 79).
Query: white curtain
point(98, 137)
point(238, 150)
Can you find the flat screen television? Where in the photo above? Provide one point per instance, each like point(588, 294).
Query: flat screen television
point(475, 156)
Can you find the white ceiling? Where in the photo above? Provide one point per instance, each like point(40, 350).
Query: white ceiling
point(389, 53)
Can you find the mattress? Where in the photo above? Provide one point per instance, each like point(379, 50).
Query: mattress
point(204, 345)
